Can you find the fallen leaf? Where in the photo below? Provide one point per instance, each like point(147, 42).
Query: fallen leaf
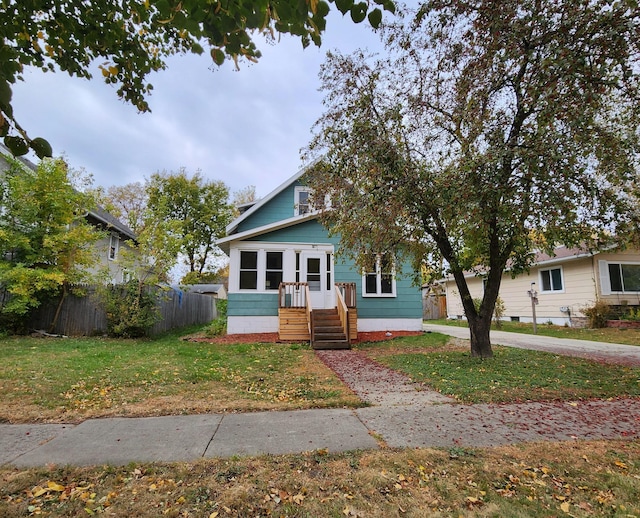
point(53, 486)
point(565, 507)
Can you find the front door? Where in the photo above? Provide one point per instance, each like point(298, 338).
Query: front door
point(316, 272)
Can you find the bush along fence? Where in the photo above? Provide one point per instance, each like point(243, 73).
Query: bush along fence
point(118, 312)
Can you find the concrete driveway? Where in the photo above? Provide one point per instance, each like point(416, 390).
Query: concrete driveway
point(611, 353)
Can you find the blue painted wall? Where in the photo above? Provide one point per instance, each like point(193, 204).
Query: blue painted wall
point(282, 206)
point(252, 304)
point(308, 232)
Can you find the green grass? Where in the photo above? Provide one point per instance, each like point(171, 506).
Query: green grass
point(51, 379)
point(512, 375)
point(608, 334)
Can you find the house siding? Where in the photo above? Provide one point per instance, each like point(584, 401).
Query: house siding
point(282, 206)
point(252, 304)
point(579, 291)
point(309, 232)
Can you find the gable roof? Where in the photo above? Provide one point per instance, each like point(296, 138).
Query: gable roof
point(232, 227)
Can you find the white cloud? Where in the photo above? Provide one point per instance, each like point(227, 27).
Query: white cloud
point(242, 127)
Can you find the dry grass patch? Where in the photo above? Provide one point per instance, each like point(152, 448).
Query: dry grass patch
point(582, 479)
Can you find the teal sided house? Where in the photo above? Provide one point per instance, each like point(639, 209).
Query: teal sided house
point(284, 277)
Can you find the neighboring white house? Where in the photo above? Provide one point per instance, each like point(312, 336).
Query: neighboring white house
point(565, 284)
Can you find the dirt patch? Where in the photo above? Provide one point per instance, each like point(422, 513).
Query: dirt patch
point(259, 338)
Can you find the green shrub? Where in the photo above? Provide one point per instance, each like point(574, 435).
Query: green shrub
point(131, 309)
point(219, 326)
point(633, 314)
point(598, 314)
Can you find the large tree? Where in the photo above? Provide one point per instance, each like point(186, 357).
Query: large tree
point(126, 202)
point(45, 240)
point(492, 129)
point(129, 39)
point(199, 208)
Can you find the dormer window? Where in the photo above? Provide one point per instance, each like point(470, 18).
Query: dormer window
point(302, 201)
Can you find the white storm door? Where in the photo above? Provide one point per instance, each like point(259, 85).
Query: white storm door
point(315, 274)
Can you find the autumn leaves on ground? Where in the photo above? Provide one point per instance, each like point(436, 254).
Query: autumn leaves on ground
point(70, 380)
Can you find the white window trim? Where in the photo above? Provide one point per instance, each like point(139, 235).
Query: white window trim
point(541, 285)
point(298, 190)
point(113, 238)
point(288, 262)
point(250, 290)
point(312, 208)
point(379, 294)
point(606, 277)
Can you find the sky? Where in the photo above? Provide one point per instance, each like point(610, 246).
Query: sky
point(245, 128)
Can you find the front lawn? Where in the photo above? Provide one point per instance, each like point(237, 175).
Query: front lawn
point(512, 375)
point(66, 380)
point(69, 380)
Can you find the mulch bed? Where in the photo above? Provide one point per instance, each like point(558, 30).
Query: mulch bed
point(268, 338)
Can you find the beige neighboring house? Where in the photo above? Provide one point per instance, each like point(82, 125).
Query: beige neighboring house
point(565, 284)
point(107, 249)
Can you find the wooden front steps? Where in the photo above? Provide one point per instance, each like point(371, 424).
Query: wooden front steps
point(326, 330)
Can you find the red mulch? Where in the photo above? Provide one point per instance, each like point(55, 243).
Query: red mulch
point(253, 338)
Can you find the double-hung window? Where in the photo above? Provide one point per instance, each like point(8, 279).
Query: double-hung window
point(551, 280)
point(379, 278)
point(302, 201)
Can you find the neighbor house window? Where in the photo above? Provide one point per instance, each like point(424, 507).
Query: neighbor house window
point(624, 277)
point(379, 279)
point(551, 280)
point(248, 270)
point(273, 276)
point(114, 243)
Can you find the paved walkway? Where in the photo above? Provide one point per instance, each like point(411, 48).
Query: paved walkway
point(401, 414)
point(612, 353)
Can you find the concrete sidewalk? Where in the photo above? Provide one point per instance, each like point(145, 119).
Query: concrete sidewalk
point(613, 353)
point(119, 441)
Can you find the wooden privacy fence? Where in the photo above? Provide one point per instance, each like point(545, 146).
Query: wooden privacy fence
point(434, 306)
point(83, 316)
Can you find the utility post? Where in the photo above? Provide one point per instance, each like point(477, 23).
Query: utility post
point(533, 294)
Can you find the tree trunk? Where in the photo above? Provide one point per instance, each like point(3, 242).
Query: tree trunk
point(480, 340)
point(52, 327)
